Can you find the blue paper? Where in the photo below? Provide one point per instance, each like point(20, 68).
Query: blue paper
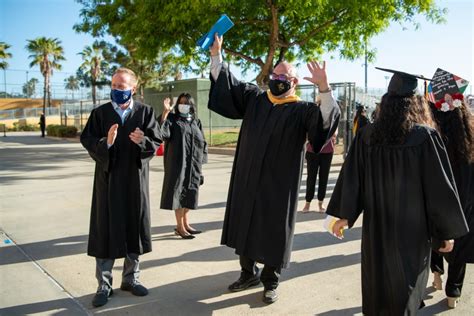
point(220, 27)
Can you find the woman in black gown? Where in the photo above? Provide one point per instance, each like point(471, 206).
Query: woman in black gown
point(456, 126)
point(185, 152)
point(397, 172)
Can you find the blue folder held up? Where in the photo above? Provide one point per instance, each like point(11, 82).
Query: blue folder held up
point(220, 27)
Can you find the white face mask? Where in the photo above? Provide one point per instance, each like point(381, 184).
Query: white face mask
point(184, 108)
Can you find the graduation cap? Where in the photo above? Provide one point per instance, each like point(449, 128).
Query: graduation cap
point(402, 84)
point(444, 83)
point(446, 90)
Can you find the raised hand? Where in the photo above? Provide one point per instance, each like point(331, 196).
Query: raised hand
point(318, 75)
point(216, 47)
point(112, 134)
point(137, 136)
point(167, 104)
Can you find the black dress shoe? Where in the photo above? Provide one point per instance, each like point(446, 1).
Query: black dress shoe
point(177, 233)
point(135, 287)
point(244, 283)
point(101, 297)
point(270, 296)
point(194, 232)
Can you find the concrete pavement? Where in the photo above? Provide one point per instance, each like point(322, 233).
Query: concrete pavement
point(45, 195)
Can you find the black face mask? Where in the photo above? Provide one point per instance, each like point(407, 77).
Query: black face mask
point(278, 87)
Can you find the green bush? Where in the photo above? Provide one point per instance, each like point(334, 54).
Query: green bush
point(61, 131)
point(17, 127)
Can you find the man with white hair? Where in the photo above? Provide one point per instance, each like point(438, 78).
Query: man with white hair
point(121, 136)
point(263, 194)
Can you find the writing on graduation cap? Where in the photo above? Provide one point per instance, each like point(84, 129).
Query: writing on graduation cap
point(446, 87)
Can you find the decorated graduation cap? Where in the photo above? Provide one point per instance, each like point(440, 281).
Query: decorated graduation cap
point(402, 84)
point(446, 90)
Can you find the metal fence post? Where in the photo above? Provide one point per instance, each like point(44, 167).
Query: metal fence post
point(80, 110)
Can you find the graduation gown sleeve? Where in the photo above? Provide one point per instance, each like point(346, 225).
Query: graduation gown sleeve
point(94, 139)
point(228, 96)
point(205, 150)
point(152, 139)
point(346, 200)
point(442, 201)
point(318, 129)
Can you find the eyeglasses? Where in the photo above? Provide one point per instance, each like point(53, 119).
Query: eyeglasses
point(282, 77)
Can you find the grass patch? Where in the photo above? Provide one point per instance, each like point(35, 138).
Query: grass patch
point(222, 138)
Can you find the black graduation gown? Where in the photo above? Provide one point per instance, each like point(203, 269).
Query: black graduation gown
point(263, 194)
point(464, 247)
point(407, 193)
point(120, 212)
point(185, 152)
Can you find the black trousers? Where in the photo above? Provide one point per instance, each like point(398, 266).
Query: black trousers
point(270, 275)
point(315, 162)
point(456, 273)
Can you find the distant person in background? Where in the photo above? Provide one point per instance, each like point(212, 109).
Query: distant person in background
point(360, 119)
point(185, 152)
point(456, 126)
point(318, 162)
point(42, 124)
point(373, 115)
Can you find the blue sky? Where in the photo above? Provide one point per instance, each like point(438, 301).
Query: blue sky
point(448, 46)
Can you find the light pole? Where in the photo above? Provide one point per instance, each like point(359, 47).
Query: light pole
point(386, 81)
point(365, 64)
point(5, 81)
point(27, 86)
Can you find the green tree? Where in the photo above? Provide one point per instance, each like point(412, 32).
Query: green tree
point(95, 66)
point(4, 55)
point(151, 72)
point(264, 32)
point(71, 83)
point(29, 88)
point(47, 53)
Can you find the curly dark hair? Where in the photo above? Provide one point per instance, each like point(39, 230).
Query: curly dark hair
point(457, 129)
point(397, 116)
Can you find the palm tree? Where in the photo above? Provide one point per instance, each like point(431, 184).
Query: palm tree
point(47, 53)
point(71, 83)
point(94, 62)
point(4, 55)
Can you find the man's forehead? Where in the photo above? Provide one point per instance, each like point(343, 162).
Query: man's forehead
point(121, 77)
point(284, 68)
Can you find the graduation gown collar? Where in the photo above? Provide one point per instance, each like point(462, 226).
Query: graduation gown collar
point(287, 99)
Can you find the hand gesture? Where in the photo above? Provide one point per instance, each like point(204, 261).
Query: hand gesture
point(318, 75)
point(112, 134)
point(137, 136)
point(216, 47)
point(448, 246)
point(338, 228)
point(167, 105)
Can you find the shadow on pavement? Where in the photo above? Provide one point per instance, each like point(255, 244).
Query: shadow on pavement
point(193, 293)
point(343, 312)
point(62, 307)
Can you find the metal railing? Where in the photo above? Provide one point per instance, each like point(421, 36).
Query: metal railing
point(25, 113)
